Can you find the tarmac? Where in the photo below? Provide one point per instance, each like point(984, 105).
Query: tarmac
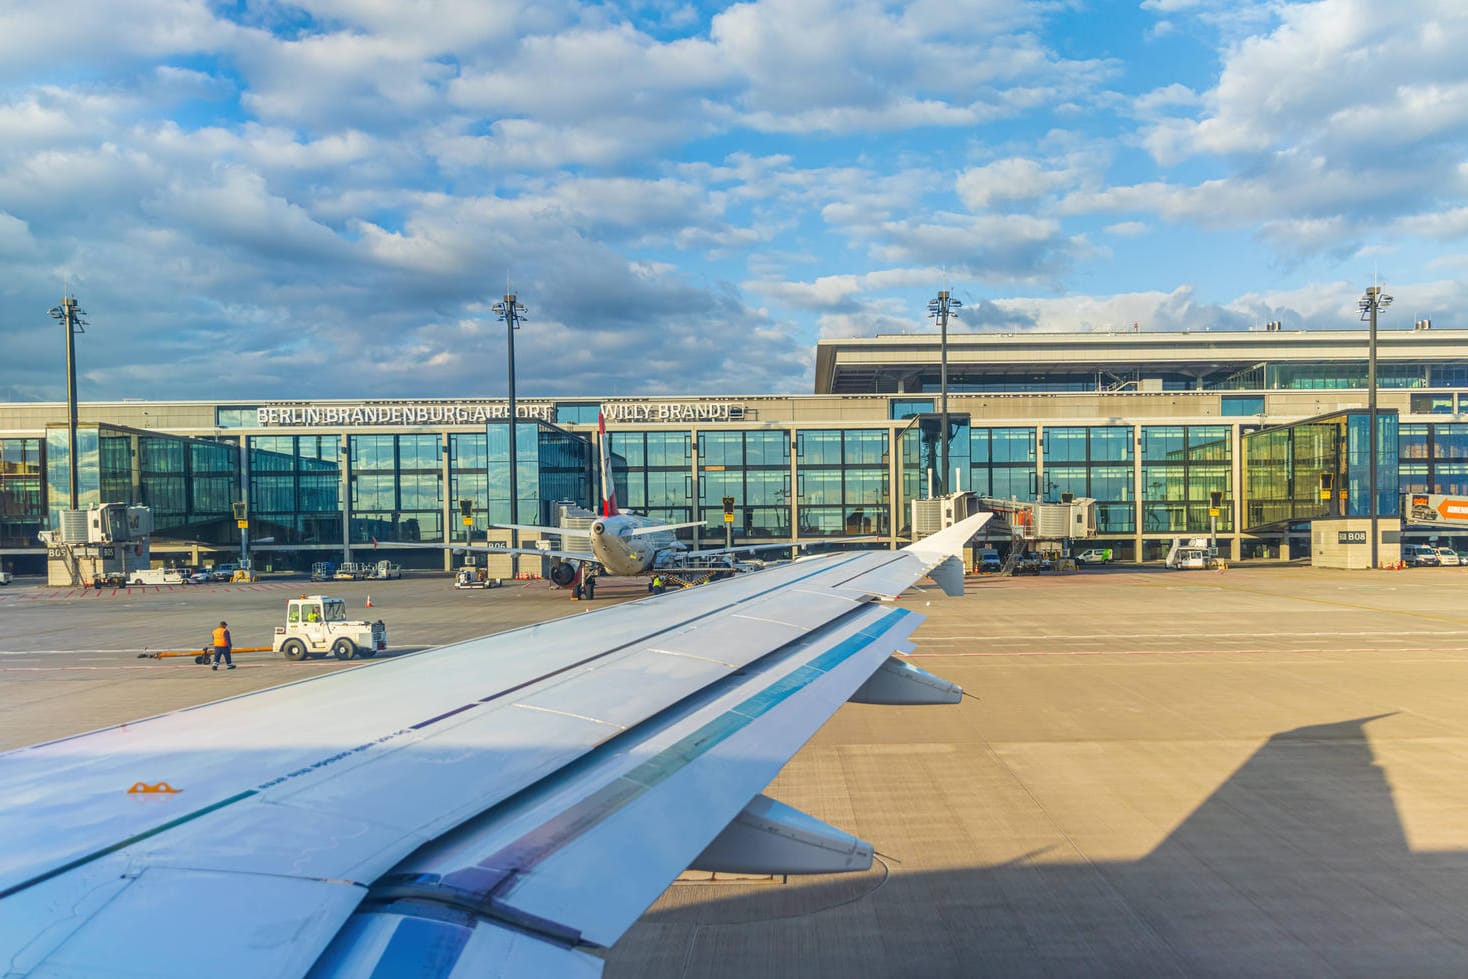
point(1259, 772)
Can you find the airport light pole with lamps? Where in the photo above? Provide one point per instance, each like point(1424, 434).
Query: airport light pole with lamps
point(1371, 303)
point(71, 315)
point(940, 308)
point(512, 312)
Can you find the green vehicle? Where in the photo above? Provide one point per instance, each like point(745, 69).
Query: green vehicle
point(1094, 555)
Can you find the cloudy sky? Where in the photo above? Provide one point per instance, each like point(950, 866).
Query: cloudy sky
point(321, 199)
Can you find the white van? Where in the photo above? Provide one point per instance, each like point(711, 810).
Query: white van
point(155, 576)
point(1419, 556)
point(1447, 557)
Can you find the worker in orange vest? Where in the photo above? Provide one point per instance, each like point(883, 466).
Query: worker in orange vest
point(222, 646)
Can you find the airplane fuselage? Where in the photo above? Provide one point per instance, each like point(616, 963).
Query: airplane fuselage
point(620, 551)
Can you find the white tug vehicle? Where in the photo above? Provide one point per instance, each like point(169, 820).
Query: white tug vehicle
point(316, 625)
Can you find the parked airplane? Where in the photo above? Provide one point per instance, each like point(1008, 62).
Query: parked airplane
point(623, 543)
point(504, 806)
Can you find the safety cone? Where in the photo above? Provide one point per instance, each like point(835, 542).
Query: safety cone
point(369, 601)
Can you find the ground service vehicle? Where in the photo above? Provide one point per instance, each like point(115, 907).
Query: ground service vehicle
point(316, 625)
point(1094, 555)
point(1448, 558)
point(351, 571)
point(1195, 554)
point(1419, 556)
point(323, 570)
point(386, 571)
point(223, 572)
point(988, 561)
point(6, 577)
point(472, 577)
point(155, 576)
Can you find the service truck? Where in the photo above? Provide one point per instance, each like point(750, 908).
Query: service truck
point(317, 624)
point(386, 571)
point(155, 576)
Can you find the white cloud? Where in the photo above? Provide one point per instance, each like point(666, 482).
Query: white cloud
point(1014, 180)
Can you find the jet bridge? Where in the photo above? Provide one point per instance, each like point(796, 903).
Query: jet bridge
point(1034, 522)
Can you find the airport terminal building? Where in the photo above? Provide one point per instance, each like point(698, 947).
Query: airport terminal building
point(1148, 425)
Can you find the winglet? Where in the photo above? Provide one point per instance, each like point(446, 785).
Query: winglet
point(608, 487)
point(949, 541)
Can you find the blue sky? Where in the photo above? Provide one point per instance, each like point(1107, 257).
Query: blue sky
point(322, 199)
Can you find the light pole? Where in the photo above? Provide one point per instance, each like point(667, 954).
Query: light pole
point(939, 309)
point(71, 315)
point(512, 313)
point(1373, 301)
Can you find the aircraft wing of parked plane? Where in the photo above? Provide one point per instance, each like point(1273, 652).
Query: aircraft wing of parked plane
point(503, 806)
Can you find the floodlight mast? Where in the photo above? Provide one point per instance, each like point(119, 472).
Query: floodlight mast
point(940, 308)
point(71, 315)
point(512, 312)
point(1373, 301)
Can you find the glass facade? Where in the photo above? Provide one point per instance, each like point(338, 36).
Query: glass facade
point(295, 488)
point(1181, 466)
point(653, 473)
point(1150, 478)
point(551, 465)
point(841, 481)
point(188, 483)
point(236, 416)
point(1093, 461)
point(1433, 458)
point(22, 507)
point(396, 488)
point(1283, 469)
point(754, 469)
point(577, 412)
point(1003, 462)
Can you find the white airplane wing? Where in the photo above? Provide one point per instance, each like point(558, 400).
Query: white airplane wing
point(502, 806)
point(534, 528)
point(663, 528)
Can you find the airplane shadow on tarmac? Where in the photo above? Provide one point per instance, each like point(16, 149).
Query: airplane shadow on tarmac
point(1297, 865)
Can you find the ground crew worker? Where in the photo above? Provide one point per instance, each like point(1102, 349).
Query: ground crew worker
point(590, 588)
point(222, 646)
point(657, 584)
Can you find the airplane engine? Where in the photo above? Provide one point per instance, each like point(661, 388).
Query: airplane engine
point(563, 573)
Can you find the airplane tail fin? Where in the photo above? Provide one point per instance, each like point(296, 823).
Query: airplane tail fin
point(608, 486)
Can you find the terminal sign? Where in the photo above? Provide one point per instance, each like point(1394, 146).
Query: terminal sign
point(1350, 537)
point(476, 413)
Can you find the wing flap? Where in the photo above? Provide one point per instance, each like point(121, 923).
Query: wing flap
point(286, 923)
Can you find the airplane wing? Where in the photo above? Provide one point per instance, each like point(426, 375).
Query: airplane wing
point(567, 531)
point(495, 549)
point(663, 528)
point(502, 806)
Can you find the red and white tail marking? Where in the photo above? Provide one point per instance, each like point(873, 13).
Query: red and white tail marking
point(608, 487)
